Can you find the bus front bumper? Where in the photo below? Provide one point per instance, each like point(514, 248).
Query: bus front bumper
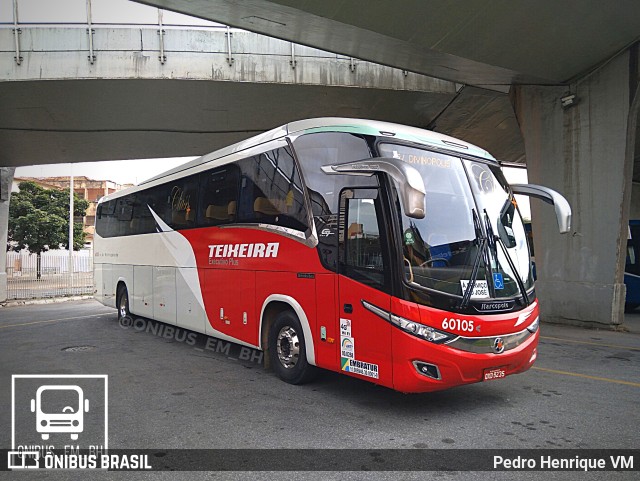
point(420, 366)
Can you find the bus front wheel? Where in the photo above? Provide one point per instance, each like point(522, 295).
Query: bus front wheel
point(122, 301)
point(287, 350)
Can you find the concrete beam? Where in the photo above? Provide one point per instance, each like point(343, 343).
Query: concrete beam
point(59, 107)
point(583, 152)
point(486, 44)
point(485, 118)
point(59, 53)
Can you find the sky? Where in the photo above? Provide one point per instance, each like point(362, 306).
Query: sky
point(118, 171)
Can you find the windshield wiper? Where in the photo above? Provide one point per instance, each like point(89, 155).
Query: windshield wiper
point(491, 249)
point(512, 266)
point(481, 242)
point(493, 241)
point(487, 245)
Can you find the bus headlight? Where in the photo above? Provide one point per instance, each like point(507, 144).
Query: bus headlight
point(534, 325)
point(414, 328)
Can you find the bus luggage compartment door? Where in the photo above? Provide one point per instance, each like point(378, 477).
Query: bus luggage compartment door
point(230, 302)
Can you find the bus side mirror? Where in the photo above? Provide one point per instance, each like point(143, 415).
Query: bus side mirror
point(33, 405)
point(408, 180)
point(560, 204)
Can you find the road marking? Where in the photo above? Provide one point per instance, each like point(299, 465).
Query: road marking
point(590, 343)
point(586, 376)
point(52, 320)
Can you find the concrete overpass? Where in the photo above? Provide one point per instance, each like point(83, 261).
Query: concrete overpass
point(79, 92)
point(537, 53)
point(212, 87)
point(517, 63)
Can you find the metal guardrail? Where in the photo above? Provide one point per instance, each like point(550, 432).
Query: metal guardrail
point(160, 26)
point(55, 280)
point(89, 25)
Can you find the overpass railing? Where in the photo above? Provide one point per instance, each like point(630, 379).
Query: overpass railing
point(160, 26)
point(165, 45)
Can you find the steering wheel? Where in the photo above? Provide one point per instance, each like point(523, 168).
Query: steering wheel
point(435, 259)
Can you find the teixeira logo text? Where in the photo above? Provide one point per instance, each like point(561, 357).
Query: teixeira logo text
point(258, 249)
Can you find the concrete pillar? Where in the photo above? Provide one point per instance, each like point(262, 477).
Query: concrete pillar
point(6, 178)
point(635, 202)
point(581, 151)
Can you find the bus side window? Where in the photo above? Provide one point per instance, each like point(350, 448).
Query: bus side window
point(142, 222)
point(183, 202)
point(218, 196)
point(158, 202)
point(271, 191)
point(315, 151)
point(103, 219)
point(124, 214)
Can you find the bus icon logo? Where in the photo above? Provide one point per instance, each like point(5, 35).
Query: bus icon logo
point(59, 409)
point(48, 409)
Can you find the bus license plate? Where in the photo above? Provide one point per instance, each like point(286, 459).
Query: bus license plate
point(494, 373)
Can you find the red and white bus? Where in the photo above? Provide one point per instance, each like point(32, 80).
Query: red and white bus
point(385, 252)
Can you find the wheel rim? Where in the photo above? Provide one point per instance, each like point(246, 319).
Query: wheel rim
point(124, 304)
point(288, 347)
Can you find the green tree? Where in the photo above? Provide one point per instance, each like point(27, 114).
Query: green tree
point(38, 220)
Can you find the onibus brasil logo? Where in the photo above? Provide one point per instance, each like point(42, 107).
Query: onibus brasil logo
point(60, 421)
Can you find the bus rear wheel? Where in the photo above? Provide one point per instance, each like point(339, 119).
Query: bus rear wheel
point(287, 350)
point(122, 303)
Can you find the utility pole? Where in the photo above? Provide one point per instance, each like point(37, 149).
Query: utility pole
point(70, 229)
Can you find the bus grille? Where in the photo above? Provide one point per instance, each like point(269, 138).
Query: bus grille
point(484, 345)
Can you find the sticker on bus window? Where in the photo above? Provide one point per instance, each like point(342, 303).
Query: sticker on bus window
point(408, 238)
point(480, 289)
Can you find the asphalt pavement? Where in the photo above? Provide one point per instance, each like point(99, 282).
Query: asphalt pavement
point(169, 389)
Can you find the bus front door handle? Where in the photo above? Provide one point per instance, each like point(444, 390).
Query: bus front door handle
point(348, 308)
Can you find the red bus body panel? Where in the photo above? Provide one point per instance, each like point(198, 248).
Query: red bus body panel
point(235, 292)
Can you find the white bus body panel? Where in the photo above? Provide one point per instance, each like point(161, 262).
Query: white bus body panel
point(98, 270)
point(108, 291)
point(164, 294)
point(124, 274)
point(141, 293)
point(191, 314)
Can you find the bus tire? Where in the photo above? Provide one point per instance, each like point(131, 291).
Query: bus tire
point(122, 302)
point(287, 350)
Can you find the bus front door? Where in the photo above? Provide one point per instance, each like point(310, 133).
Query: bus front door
point(365, 338)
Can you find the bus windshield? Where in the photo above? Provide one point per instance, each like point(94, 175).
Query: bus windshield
point(472, 229)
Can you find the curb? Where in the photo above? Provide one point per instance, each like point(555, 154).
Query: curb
point(50, 300)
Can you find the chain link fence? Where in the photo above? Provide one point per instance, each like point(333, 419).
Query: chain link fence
point(27, 280)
